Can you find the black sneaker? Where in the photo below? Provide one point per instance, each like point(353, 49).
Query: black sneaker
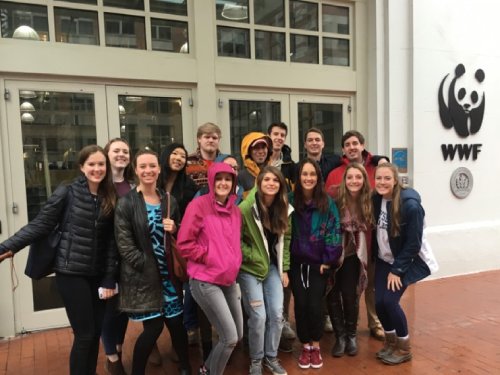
point(286, 346)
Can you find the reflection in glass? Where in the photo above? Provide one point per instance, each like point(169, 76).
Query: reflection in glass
point(169, 36)
point(178, 7)
point(326, 117)
point(247, 116)
point(304, 48)
point(76, 26)
point(124, 31)
point(269, 12)
point(336, 19)
point(150, 121)
point(335, 51)
point(128, 4)
point(23, 21)
point(232, 10)
point(303, 15)
point(269, 45)
point(63, 123)
point(233, 42)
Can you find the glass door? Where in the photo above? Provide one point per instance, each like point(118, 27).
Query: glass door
point(48, 123)
point(329, 114)
point(152, 118)
point(243, 113)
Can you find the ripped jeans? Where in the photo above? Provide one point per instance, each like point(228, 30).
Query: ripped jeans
point(263, 303)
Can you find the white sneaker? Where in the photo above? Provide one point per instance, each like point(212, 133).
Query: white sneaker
point(328, 324)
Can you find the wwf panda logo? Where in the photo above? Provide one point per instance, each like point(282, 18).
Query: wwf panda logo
point(465, 108)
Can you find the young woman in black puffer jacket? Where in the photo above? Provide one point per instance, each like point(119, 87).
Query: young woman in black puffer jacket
point(86, 258)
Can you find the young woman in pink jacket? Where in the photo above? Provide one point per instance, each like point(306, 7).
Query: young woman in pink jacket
point(209, 238)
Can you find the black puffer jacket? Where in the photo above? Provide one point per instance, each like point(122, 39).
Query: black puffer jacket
point(87, 244)
point(140, 281)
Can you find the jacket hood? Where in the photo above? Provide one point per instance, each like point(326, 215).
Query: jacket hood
point(409, 194)
point(216, 168)
point(250, 165)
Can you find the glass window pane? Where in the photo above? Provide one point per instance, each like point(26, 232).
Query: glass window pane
point(269, 46)
point(124, 31)
point(248, 116)
point(303, 15)
point(178, 7)
point(149, 121)
point(76, 26)
point(23, 21)
point(127, 4)
point(326, 117)
point(54, 126)
point(169, 36)
point(304, 48)
point(336, 51)
point(94, 2)
point(232, 10)
point(269, 12)
point(336, 19)
point(233, 42)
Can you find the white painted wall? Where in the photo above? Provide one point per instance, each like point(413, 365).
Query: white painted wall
point(425, 40)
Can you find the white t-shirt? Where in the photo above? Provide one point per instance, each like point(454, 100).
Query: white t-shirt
point(384, 249)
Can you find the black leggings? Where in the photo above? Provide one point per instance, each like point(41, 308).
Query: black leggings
point(85, 313)
point(308, 287)
point(147, 339)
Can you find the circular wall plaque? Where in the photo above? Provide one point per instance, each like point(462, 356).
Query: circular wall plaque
point(461, 182)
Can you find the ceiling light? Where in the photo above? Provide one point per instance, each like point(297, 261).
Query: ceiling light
point(235, 12)
point(133, 98)
point(27, 117)
point(27, 107)
point(27, 94)
point(25, 32)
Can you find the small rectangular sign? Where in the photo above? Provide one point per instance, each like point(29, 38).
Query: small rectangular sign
point(400, 159)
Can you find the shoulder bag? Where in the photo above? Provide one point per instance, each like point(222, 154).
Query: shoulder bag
point(179, 265)
point(42, 252)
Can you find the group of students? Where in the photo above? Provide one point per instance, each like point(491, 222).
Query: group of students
point(121, 229)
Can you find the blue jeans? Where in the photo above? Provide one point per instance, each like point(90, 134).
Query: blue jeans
point(389, 310)
point(222, 306)
point(114, 326)
point(263, 302)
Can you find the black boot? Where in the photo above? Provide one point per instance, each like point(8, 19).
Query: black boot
point(351, 311)
point(337, 318)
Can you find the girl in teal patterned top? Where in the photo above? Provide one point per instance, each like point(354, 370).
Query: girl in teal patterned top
point(149, 290)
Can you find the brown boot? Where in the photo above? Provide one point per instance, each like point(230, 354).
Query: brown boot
point(402, 353)
point(114, 368)
point(389, 345)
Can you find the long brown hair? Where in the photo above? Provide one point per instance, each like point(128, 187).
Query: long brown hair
point(106, 190)
point(319, 196)
point(362, 203)
point(396, 199)
point(128, 172)
point(278, 222)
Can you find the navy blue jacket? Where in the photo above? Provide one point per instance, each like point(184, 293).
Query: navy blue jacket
point(405, 248)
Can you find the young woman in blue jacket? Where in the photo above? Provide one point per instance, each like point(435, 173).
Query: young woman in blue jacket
point(397, 240)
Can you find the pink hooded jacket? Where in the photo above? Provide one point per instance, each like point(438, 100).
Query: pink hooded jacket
point(209, 236)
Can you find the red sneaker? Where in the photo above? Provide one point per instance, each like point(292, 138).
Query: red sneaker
point(305, 358)
point(316, 359)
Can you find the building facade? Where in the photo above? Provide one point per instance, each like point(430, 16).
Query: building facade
point(151, 71)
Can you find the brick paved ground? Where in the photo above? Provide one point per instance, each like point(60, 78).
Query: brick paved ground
point(454, 325)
